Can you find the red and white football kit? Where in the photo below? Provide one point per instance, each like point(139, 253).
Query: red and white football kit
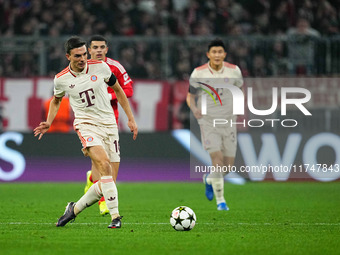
point(94, 119)
point(124, 81)
point(223, 137)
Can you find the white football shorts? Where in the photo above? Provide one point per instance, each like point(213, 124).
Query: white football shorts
point(219, 139)
point(92, 135)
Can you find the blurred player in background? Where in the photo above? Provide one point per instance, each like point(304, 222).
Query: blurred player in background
point(220, 142)
point(98, 48)
point(86, 81)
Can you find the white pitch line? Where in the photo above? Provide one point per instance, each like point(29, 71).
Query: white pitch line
point(78, 223)
point(200, 223)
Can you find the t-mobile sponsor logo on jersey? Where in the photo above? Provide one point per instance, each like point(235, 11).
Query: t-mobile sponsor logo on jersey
point(88, 97)
point(238, 105)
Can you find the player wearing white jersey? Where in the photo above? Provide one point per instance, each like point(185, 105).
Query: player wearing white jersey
point(219, 141)
point(86, 81)
point(98, 48)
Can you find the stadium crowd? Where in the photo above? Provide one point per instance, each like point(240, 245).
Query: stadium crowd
point(182, 19)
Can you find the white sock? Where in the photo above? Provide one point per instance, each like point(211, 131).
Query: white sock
point(90, 197)
point(110, 194)
point(217, 182)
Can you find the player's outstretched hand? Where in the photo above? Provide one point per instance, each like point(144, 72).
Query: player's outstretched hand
point(133, 128)
point(41, 129)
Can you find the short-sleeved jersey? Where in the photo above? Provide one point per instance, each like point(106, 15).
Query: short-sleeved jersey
point(204, 78)
point(124, 81)
point(87, 93)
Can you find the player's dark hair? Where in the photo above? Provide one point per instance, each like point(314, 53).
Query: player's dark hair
point(99, 38)
point(215, 43)
point(73, 42)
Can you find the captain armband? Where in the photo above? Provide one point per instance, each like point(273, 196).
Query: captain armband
point(112, 81)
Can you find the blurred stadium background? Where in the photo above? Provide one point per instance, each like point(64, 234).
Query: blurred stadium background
point(160, 42)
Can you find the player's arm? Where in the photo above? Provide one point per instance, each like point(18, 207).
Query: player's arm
point(52, 112)
point(128, 91)
point(122, 99)
point(191, 101)
point(126, 84)
point(239, 82)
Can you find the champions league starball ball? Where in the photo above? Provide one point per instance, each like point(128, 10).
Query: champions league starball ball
point(183, 218)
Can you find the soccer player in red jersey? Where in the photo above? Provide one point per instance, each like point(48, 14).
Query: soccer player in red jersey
point(98, 48)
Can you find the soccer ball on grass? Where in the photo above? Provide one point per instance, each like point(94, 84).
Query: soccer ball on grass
point(183, 218)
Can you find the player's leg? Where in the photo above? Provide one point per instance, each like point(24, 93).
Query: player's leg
point(212, 142)
point(93, 138)
point(205, 139)
point(73, 209)
point(102, 165)
point(109, 144)
point(112, 149)
point(209, 192)
point(93, 176)
point(89, 198)
point(116, 223)
point(216, 179)
point(228, 161)
point(115, 169)
point(101, 162)
point(228, 146)
point(93, 194)
point(85, 132)
point(103, 210)
point(95, 173)
point(89, 181)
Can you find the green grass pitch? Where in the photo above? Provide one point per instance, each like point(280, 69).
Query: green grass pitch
point(264, 218)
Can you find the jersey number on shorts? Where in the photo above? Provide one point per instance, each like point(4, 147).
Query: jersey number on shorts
point(116, 146)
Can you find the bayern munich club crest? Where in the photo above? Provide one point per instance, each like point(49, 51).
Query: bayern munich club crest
point(90, 139)
point(94, 78)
